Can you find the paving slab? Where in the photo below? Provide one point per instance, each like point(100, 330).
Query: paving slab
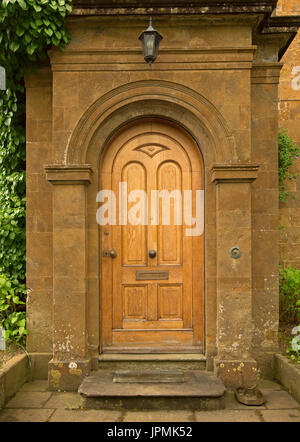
point(278, 400)
point(227, 416)
point(29, 399)
point(158, 416)
point(231, 403)
point(86, 416)
point(35, 386)
point(64, 400)
point(281, 415)
point(25, 415)
point(265, 384)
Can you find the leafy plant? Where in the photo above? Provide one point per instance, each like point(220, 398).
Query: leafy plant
point(288, 152)
point(28, 29)
point(293, 349)
point(12, 318)
point(289, 294)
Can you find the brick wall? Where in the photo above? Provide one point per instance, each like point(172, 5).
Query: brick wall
point(289, 118)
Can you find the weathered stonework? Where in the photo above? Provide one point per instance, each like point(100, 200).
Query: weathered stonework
point(210, 80)
point(289, 118)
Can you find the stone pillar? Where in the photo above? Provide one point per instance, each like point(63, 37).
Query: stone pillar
point(70, 361)
point(265, 220)
point(39, 272)
point(234, 273)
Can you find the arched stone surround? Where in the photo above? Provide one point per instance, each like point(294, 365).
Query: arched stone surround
point(80, 168)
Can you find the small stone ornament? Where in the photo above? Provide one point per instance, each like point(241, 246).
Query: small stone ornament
point(249, 395)
point(2, 339)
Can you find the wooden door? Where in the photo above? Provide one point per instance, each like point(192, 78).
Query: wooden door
point(152, 291)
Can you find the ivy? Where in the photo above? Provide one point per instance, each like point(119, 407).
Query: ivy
point(12, 315)
point(289, 284)
point(28, 29)
point(288, 152)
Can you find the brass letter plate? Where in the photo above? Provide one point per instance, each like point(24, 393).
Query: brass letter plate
point(151, 274)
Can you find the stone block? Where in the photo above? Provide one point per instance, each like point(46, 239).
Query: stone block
point(67, 376)
point(236, 373)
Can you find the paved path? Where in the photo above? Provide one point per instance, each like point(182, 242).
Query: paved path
point(33, 403)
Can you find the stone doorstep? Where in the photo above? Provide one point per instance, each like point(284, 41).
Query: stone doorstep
point(200, 391)
point(167, 361)
point(149, 376)
point(183, 357)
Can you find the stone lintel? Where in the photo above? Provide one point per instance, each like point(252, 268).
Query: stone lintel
point(73, 174)
point(234, 173)
point(67, 375)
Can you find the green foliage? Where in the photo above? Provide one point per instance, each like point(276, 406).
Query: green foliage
point(288, 152)
point(28, 29)
point(12, 316)
point(293, 349)
point(289, 294)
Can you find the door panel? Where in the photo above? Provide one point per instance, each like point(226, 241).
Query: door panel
point(140, 311)
point(134, 238)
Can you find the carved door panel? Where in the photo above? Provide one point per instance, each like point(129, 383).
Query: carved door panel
point(152, 291)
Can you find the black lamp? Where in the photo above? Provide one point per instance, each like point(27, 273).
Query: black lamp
point(150, 40)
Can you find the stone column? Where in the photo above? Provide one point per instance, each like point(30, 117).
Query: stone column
point(70, 361)
point(265, 220)
point(234, 273)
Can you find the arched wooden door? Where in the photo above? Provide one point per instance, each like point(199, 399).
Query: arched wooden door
point(152, 289)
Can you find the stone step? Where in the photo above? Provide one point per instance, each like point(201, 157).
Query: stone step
point(185, 362)
point(201, 390)
point(148, 376)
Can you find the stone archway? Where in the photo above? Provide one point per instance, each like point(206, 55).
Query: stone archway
point(76, 237)
point(161, 98)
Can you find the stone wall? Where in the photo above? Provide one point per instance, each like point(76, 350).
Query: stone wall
point(289, 118)
point(210, 80)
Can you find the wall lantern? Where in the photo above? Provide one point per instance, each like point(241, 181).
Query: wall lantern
point(150, 40)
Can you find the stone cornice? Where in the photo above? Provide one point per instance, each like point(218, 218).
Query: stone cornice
point(73, 174)
point(281, 24)
point(169, 59)
point(137, 7)
point(234, 173)
point(284, 27)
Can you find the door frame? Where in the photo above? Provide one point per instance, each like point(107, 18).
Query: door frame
point(201, 309)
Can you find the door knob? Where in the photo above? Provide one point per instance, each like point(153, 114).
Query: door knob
point(110, 253)
point(152, 253)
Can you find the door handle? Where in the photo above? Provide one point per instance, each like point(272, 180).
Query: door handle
point(152, 253)
point(110, 253)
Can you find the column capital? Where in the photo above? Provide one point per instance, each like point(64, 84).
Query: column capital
point(234, 173)
point(69, 174)
point(266, 72)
